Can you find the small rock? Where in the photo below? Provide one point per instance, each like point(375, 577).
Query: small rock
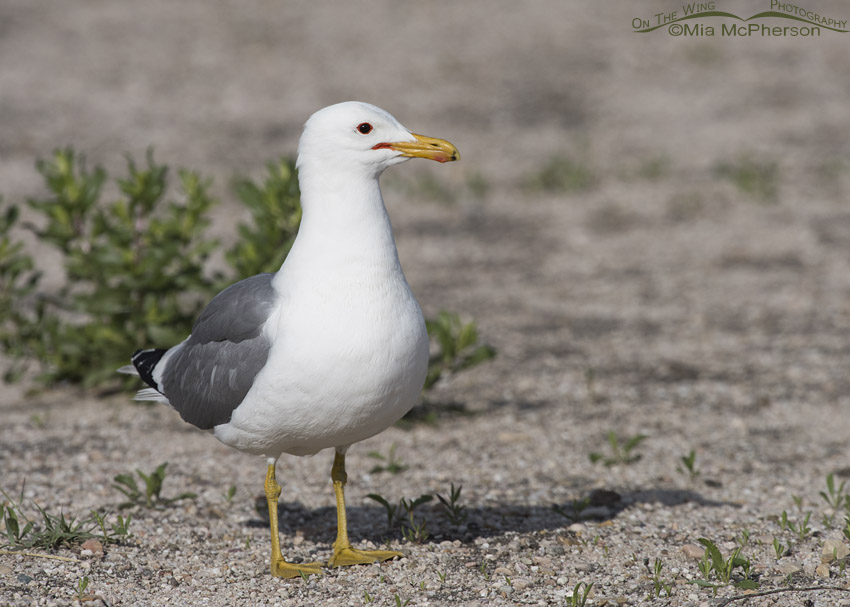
point(94, 546)
point(503, 571)
point(577, 528)
point(5, 570)
point(520, 585)
point(24, 578)
point(789, 568)
point(822, 570)
point(543, 561)
point(834, 549)
point(86, 553)
point(692, 551)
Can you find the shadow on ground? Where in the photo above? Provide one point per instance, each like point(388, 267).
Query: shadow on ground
point(368, 523)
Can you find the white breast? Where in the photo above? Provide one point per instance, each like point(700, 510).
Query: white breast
point(349, 358)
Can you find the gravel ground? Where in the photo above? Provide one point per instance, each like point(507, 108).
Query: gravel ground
point(660, 298)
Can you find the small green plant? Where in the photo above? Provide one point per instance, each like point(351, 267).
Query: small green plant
point(484, 571)
point(621, 453)
point(151, 497)
point(756, 177)
point(442, 576)
point(456, 513)
point(577, 506)
point(82, 585)
point(367, 598)
point(801, 530)
point(722, 569)
point(458, 346)
point(228, 495)
point(580, 594)
point(413, 531)
point(590, 384)
point(120, 528)
point(659, 585)
point(392, 510)
point(562, 173)
point(401, 515)
point(780, 549)
point(689, 464)
point(835, 497)
point(55, 530)
point(744, 539)
point(393, 465)
point(399, 602)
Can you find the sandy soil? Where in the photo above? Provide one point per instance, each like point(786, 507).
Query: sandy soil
point(662, 299)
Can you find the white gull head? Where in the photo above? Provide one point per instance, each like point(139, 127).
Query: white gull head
point(359, 137)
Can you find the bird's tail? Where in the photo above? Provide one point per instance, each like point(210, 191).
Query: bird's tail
point(144, 362)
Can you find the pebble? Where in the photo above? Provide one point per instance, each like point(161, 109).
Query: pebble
point(834, 549)
point(692, 551)
point(789, 568)
point(93, 546)
point(822, 570)
point(5, 570)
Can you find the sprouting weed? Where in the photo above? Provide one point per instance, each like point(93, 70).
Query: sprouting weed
point(401, 514)
point(689, 465)
point(780, 549)
point(581, 591)
point(659, 585)
point(151, 496)
point(722, 570)
point(621, 452)
point(743, 539)
point(576, 507)
point(228, 495)
point(454, 511)
point(393, 465)
point(801, 529)
point(399, 602)
point(82, 584)
point(834, 496)
point(55, 530)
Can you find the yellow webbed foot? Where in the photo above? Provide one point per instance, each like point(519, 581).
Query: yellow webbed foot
point(281, 568)
point(353, 556)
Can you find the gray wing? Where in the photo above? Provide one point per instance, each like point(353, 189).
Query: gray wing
point(211, 372)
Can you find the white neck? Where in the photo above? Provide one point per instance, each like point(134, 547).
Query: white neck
point(344, 226)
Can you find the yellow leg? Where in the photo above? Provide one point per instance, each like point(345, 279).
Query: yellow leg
point(344, 554)
point(280, 568)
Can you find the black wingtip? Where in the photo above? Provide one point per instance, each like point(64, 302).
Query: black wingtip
point(145, 361)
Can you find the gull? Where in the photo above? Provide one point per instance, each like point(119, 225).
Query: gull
point(326, 352)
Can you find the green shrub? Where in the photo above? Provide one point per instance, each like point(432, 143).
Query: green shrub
point(136, 272)
point(129, 265)
point(276, 213)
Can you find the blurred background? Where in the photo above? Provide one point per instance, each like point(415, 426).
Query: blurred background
point(637, 209)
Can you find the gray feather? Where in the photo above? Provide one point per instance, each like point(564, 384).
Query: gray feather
point(208, 375)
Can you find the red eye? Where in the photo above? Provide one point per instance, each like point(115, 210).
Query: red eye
point(364, 128)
